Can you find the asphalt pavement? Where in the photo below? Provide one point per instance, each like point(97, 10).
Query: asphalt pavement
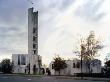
point(9, 78)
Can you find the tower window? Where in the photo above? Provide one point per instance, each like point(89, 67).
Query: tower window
point(34, 38)
point(34, 46)
point(18, 59)
point(73, 65)
point(34, 51)
point(34, 30)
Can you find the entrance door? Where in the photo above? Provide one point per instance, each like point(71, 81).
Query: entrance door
point(34, 69)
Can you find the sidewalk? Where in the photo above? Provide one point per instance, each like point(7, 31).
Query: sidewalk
point(29, 75)
point(84, 78)
point(96, 79)
point(61, 77)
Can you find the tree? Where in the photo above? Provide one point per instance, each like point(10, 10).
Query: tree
point(59, 63)
point(107, 63)
point(107, 68)
point(0, 68)
point(107, 58)
point(92, 47)
point(6, 66)
point(89, 48)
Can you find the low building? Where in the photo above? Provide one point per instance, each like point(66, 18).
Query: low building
point(19, 63)
point(74, 66)
point(22, 63)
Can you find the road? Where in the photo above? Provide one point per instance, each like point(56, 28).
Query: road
point(8, 78)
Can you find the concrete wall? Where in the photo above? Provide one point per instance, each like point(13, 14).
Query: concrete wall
point(19, 68)
point(33, 40)
point(34, 60)
point(32, 31)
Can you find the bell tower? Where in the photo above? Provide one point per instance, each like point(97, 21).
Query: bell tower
point(34, 60)
point(32, 32)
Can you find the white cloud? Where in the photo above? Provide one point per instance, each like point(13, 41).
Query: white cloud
point(59, 26)
point(13, 27)
point(60, 32)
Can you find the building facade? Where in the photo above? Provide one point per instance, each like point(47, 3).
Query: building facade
point(33, 61)
point(19, 61)
point(74, 66)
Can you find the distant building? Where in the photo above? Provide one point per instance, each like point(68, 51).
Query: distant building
point(74, 66)
point(33, 61)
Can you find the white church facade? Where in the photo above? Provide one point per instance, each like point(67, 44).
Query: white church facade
point(30, 63)
point(19, 61)
point(74, 67)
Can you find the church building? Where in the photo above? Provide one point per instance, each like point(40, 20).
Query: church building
point(30, 63)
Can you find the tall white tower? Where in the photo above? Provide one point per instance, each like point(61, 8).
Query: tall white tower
point(34, 58)
point(32, 32)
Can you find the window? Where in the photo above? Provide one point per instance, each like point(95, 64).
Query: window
point(34, 51)
point(78, 65)
point(52, 66)
point(73, 65)
point(18, 59)
point(23, 60)
point(34, 46)
point(35, 14)
point(34, 39)
point(34, 30)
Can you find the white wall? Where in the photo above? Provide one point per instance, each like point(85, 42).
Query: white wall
point(18, 68)
point(71, 71)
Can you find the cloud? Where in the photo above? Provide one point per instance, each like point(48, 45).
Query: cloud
point(61, 22)
point(13, 27)
point(90, 10)
point(59, 30)
point(12, 11)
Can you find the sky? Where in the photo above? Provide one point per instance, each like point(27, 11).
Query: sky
point(61, 23)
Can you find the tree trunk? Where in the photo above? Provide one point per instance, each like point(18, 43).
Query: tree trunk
point(81, 67)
